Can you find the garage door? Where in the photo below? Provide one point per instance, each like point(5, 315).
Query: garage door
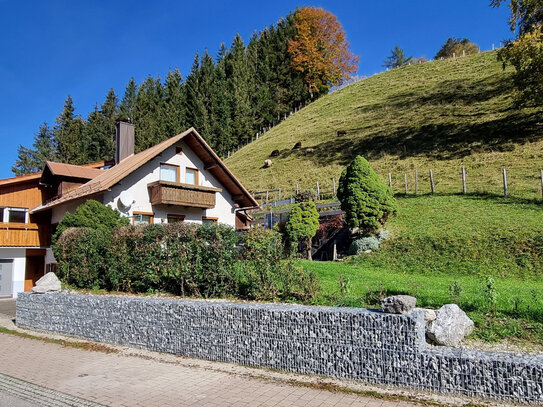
point(6, 278)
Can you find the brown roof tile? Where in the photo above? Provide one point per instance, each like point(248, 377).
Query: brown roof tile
point(75, 171)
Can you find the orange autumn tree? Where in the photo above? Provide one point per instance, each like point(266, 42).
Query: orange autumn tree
point(320, 50)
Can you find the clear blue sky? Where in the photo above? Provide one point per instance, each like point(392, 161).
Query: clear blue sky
point(49, 49)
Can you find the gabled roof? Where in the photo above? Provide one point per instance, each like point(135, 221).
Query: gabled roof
point(73, 171)
point(108, 178)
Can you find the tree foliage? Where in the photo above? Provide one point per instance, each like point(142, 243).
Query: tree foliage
point(249, 87)
point(366, 200)
point(525, 53)
point(457, 46)
point(302, 224)
point(33, 159)
point(320, 49)
point(397, 58)
point(93, 215)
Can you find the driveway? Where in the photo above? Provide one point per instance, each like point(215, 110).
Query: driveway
point(7, 307)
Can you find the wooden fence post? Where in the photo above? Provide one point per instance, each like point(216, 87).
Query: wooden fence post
point(390, 180)
point(297, 189)
point(505, 183)
point(406, 188)
point(267, 193)
point(464, 180)
point(432, 186)
point(416, 182)
point(333, 187)
point(541, 184)
point(279, 194)
point(318, 191)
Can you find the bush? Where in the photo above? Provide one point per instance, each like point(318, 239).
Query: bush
point(302, 225)
point(366, 200)
point(456, 46)
point(183, 259)
point(83, 257)
point(359, 246)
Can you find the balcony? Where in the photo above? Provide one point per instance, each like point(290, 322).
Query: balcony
point(174, 193)
point(24, 234)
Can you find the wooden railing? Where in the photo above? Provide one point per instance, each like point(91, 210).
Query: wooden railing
point(174, 193)
point(24, 234)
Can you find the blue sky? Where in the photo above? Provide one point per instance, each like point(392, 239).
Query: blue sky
point(53, 48)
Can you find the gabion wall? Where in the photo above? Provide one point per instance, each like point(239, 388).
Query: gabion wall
point(351, 343)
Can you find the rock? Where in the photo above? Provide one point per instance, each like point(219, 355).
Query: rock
point(49, 283)
point(267, 163)
point(450, 327)
point(398, 304)
point(429, 314)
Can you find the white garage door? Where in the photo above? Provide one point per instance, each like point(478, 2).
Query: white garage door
point(6, 278)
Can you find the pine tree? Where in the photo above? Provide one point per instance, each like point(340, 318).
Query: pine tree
point(31, 160)
point(68, 135)
point(149, 114)
point(397, 59)
point(174, 100)
point(128, 104)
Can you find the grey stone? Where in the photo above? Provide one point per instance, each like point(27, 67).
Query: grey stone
point(49, 283)
point(398, 304)
point(450, 327)
point(429, 314)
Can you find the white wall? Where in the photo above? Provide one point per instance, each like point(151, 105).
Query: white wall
point(136, 183)
point(19, 265)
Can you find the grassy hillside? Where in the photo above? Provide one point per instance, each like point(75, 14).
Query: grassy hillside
point(439, 115)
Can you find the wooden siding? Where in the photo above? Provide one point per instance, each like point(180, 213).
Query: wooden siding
point(22, 195)
point(173, 193)
point(24, 235)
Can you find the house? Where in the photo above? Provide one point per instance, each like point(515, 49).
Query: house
point(178, 180)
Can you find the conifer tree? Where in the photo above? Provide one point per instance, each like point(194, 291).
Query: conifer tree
point(220, 108)
point(31, 160)
point(174, 100)
point(68, 133)
point(149, 114)
point(128, 104)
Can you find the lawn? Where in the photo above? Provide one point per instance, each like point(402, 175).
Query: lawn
point(446, 241)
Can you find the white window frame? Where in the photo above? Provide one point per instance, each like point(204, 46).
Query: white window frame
point(6, 210)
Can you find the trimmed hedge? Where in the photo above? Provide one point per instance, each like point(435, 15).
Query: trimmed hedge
point(183, 259)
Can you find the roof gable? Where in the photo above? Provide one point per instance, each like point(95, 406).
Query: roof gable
point(212, 163)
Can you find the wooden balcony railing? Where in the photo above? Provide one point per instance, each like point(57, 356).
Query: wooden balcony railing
point(24, 234)
point(174, 193)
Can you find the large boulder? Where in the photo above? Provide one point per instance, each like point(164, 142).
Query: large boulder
point(398, 304)
point(49, 283)
point(450, 327)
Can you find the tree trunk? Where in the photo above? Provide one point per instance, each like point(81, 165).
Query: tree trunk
point(308, 250)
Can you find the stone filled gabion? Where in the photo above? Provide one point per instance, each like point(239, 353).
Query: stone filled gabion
point(359, 344)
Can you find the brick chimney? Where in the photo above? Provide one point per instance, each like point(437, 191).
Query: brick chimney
point(124, 146)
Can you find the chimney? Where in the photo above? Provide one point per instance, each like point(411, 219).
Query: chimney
point(124, 138)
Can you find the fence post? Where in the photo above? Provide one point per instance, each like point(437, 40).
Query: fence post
point(333, 187)
point(432, 181)
point(505, 183)
point(390, 180)
point(279, 194)
point(416, 182)
point(267, 192)
point(318, 191)
point(406, 188)
point(463, 180)
point(297, 189)
point(541, 184)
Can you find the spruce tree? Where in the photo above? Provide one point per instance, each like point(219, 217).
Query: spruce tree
point(194, 105)
point(174, 104)
point(31, 160)
point(149, 114)
point(220, 108)
point(68, 135)
point(128, 104)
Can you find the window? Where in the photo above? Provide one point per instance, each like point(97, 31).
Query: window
point(207, 220)
point(169, 172)
point(191, 176)
point(142, 218)
point(176, 218)
point(15, 215)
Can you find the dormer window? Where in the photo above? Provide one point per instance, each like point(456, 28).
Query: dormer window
point(191, 176)
point(14, 215)
point(169, 172)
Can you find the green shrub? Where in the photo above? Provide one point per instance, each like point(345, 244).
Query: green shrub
point(359, 246)
point(83, 256)
point(183, 259)
point(92, 214)
point(302, 224)
point(366, 200)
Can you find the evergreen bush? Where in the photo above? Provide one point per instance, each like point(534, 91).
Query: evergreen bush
point(359, 246)
point(366, 200)
point(302, 225)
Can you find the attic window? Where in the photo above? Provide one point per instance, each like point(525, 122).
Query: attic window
point(15, 215)
point(169, 172)
point(191, 176)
